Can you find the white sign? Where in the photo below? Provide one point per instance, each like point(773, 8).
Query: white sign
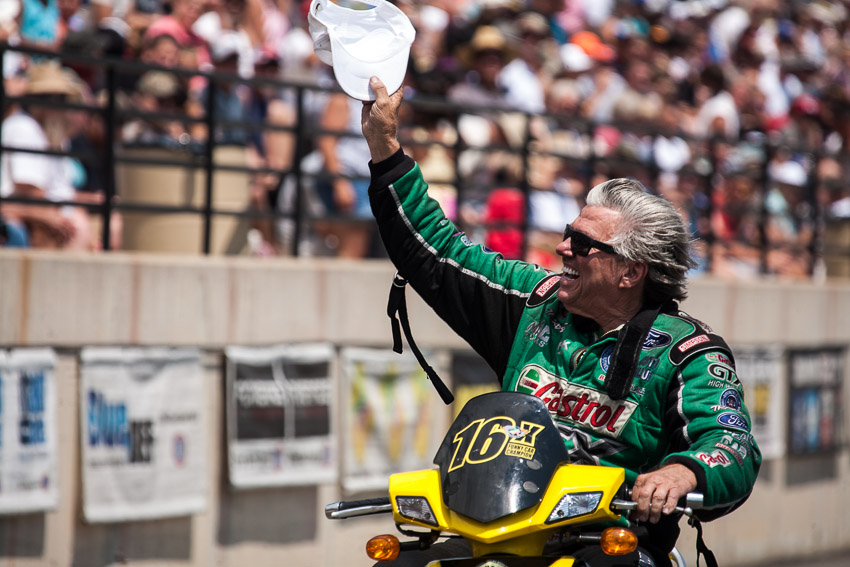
point(761, 371)
point(393, 418)
point(28, 460)
point(279, 418)
point(143, 433)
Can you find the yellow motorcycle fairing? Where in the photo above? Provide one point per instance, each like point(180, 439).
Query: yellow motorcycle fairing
point(526, 531)
point(556, 562)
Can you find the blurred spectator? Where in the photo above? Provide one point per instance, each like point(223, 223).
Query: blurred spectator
point(432, 136)
point(73, 19)
point(527, 77)
point(734, 226)
point(484, 58)
point(9, 12)
point(504, 217)
point(346, 230)
point(431, 22)
point(130, 19)
point(41, 127)
point(157, 92)
point(272, 148)
point(833, 189)
point(559, 131)
point(718, 113)
point(229, 30)
point(638, 102)
point(607, 83)
point(39, 24)
point(789, 227)
point(671, 152)
point(162, 50)
point(194, 51)
point(12, 235)
point(276, 24)
point(552, 11)
point(232, 99)
point(803, 127)
point(555, 200)
point(685, 190)
point(299, 61)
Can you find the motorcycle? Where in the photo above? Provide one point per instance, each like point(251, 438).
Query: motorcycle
point(504, 483)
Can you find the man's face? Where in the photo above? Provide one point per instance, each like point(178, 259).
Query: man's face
point(589, 283)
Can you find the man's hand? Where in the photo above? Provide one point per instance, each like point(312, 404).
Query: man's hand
point(379, 120)
point(659, 491)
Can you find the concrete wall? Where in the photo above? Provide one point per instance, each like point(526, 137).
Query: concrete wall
point(798, 509)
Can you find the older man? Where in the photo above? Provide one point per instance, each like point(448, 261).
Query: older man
point(630, 380)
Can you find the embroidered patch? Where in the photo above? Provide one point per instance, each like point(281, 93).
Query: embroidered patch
point(543, 291)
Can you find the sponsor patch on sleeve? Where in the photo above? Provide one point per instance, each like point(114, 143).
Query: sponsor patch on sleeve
point(715, 458)
point(695, 343)
point(544, 289)
point(732, 420)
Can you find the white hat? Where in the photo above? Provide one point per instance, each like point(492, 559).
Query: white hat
point(574, 59)
point(361, 39)
point(790, 173)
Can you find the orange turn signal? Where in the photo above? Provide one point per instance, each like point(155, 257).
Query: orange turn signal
point(383, 547)
point(618, 541)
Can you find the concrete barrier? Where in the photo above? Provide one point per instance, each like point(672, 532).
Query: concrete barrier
point(798, 509)
point(179, 186)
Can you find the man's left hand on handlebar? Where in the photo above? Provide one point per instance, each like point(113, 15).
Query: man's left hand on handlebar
point(659, 491)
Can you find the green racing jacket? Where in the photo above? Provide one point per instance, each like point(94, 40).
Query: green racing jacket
point(685, 404)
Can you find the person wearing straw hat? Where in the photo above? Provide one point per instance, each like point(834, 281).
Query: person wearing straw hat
point(42, 127)
point(484, 57)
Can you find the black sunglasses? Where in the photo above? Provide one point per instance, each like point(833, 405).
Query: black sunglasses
point(582, 243)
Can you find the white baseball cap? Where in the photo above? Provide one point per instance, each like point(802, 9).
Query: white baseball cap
point(361, 39)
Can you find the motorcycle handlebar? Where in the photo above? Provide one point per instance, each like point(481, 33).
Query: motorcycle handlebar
point(693, 501)
point(352, 508)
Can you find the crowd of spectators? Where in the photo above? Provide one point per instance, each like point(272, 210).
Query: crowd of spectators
point(738, 111)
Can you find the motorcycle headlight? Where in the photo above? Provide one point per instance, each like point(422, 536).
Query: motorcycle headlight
point(416, 508)
point(574, 504)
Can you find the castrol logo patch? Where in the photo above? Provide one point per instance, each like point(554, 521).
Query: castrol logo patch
point(576, 405)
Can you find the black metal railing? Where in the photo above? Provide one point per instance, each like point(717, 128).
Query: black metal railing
point(709, 168)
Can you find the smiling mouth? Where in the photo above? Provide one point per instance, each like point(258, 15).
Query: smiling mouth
point(569, 273)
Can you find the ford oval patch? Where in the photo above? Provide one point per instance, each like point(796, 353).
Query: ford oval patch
point(733, 421)
point(656, 339)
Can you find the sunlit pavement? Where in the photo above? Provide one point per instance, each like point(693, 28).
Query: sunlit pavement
point(840, 559)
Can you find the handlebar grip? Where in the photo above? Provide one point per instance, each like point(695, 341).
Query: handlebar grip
point(353, 508)
point(695, 500)
point(351, 504)
point(692, 501)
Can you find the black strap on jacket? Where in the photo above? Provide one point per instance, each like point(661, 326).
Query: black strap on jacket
point(618, 379)
point(702, 549)
point(397, 304)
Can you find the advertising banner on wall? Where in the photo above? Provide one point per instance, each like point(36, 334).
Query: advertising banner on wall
point(28, 446)
point(814, 397)
point(761, 370)
point(143, 433)
point(279, 418)
point(471, 377)
point(394, 421)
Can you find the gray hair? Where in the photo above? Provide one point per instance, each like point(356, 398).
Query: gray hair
point(651, 231)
